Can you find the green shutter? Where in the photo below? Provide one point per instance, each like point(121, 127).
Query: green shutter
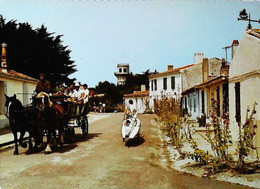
point(173, 82)
point(165, 83)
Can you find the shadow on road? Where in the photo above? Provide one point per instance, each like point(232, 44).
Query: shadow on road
point(67, 146)
point(135, 142)
point(59, 149)
point(80, 138)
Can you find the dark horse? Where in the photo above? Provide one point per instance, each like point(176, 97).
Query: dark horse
point(50, 118)
point(21, 119)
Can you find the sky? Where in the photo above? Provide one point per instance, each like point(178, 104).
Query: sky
point(146, 34)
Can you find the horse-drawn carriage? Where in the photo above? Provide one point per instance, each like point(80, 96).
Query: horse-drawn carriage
point(50, 116)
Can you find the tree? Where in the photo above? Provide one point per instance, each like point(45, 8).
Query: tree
point(34, 51)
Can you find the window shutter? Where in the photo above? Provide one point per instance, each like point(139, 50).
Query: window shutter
point(165, 83)
point(237, 97)
point(173, 82)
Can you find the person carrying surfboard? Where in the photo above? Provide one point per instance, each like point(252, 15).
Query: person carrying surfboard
point(129, 110)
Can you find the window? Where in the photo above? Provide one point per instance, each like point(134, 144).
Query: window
point(203, 102)
point(225, 98)
point(155, 84)
point(173, 82)
point(218, 99)
point(194, 100)
point(120, 70)
point(152, 85)
point(125, 70)
point(165, 83)
point(237, 98)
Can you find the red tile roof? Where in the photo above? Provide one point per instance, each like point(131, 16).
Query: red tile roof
point(254, 32)
point(138, 94)
point(12, 74)
point(169, 72)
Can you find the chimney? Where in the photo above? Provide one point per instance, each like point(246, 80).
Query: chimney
point(170, 67)
point(205, 69)
point(143, 88)
point(198, 57)
point(234, 47)
point(224, 67)
point(3, 58)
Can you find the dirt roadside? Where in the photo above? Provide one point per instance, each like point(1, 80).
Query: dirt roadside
point(101, 160)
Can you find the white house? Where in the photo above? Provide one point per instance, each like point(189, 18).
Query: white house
point(12, 82)
point(166, 84)
point(244, 82)
point(140, 99)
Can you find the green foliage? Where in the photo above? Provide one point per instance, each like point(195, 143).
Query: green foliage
point(114, 93)
point(33, 51)
point(202, 120)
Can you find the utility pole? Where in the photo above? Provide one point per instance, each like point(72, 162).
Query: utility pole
point(226, 48)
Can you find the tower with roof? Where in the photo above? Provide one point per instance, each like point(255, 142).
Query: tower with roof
point(122, 73)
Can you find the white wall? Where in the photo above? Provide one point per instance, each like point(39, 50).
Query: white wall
point(176, 93)
point(10, 88)
point(245, 68)
point(138, 102)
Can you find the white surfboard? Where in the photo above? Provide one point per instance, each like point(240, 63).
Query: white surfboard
point(134, 132)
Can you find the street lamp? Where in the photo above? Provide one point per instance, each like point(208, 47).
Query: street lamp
point(245, 17)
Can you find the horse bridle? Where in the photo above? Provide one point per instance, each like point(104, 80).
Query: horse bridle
point(7, 110)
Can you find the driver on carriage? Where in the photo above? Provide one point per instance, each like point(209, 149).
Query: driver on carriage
point(43, 85)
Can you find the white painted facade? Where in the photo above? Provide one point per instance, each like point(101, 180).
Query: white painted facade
point(140, 100)
point(245, 71)
point(166, 84)
point(10, 85)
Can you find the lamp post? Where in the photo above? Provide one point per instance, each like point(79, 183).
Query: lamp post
point(245, 17)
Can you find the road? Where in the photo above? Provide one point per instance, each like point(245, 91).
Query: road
point(102, 160)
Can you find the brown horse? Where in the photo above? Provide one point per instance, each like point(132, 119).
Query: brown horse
point(21, 119)
point(51, 118)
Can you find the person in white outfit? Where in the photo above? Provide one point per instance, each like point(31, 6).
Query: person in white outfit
point(85, 97)
point(129, 110)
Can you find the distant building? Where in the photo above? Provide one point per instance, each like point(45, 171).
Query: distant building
point(123, 71)
point(166, 84)
point(140, 99)
point(201, 83)
point(12, 82)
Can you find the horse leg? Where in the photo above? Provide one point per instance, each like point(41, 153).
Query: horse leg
point(54, 139)
point(61, 136)
point(23, 144)
point(16, 151)
point(48, 147)
point(30, 141)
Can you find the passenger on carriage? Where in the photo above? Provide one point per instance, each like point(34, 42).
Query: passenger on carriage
point(43, 85)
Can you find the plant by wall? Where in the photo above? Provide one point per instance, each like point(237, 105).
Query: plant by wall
point(245, 142)
point(168, 112)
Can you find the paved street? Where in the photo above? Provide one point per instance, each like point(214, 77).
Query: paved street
point(101, 160)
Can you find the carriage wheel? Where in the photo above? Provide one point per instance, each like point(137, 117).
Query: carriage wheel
point(84, 126)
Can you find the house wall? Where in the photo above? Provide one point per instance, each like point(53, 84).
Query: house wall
point(11, 87)
point(192, 76)
point(138, 102)
point(175, 93)
point(245, 69)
